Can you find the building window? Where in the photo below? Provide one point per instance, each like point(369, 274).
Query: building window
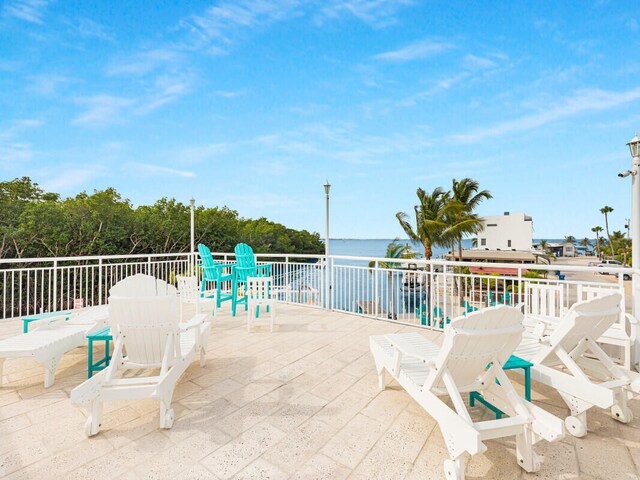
point(509, 243)
point(483, 242)
point(492, 224)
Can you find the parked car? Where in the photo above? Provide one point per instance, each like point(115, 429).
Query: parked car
point(613, 263)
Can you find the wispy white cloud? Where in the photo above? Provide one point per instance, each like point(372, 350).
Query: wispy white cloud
point(201, 153)
point(88, 28)
point(230, 94)
point(102, 109)
point(151, 169)
point(582, 101)
point(144, 62)
point(415, 51)
point(72, 177)
point(49, 84)
point(13, 150)
point(166, 89)
point(378, 13)
point(474, 62)
point(28, 10)
point(224, 19)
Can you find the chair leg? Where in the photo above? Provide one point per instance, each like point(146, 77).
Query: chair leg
point(50, 371)
point(527, 458)
point(94, 422)
point(166, 412)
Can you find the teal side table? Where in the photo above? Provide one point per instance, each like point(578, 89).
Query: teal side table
point(512, 363)
point(102, 335)
point(42, 316)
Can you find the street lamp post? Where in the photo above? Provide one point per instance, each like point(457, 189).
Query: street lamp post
point(634, 147)
point(327, 301)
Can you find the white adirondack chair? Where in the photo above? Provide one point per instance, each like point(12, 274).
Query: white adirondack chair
point(474, 349)
point(259, 296)
point(48, 343)
point(145, 326)
point(190, 294)
point(570, 360)
point(624, 332)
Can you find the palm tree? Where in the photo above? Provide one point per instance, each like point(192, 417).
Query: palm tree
point(570, 239)
point(597, 231)
point(463, 221)
point(606, 210)
point(543, 245)
point(585, 242)
point(431, 228)
point(395, 250)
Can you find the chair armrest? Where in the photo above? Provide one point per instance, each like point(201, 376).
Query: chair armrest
point(631, 326)
point(409, 350)
point(196, 321)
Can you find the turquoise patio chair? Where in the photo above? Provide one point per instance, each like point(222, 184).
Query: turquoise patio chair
point(468, 308)
point(506, 298)
point(438, 315)
point(246, 266)
point(421, 312)
point(214, 272)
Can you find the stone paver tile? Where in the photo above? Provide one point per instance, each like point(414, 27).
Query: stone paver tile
point(387, 405)
point(261, 470)
point(246, 417)
point(367, 385)
point(339, 411)
point(196, 472)
point(209, 394)
point(120, 462)
point(557, 459)
point(320, 467)
point(351, 444)
point(299, 445)
point(8, 397)
point(407, 435)
point(59, 465)
point(21, 456)
point(429, 465)
point(334, 385)
point(202, 419)
point(240, 452)
point(13, 424)
point(178, 457)
point(604, 457)
point(252, 391)
point(498, 462)
point(381, 463)
point(296, 412)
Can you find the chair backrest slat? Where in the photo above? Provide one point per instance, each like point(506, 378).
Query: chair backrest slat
point(477, 339)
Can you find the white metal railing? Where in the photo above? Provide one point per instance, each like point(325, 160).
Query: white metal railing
point(427, 296)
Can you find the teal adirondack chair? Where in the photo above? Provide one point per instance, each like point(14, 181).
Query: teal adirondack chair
point(214, 272)
point(491, 299)
point(245, 267)
point(438, 314)
point(468, 307)
point(421, 312)
point(506, 298)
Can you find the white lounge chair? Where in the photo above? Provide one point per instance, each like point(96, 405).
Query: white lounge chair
point(259, 296)
point(474, 349)
point(190, 294)
point(570, 360)
point(49, 342)
point(146, 327)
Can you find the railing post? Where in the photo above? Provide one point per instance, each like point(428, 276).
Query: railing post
point(520, 285)
point(331, 282)
point(100, 280)
point(55, 285)
point(376, 294)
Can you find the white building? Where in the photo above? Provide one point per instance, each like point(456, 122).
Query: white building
point(511, 231)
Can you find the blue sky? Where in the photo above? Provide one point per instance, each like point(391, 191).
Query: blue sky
point(254, 104)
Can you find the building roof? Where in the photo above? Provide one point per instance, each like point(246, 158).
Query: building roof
point(496, 255)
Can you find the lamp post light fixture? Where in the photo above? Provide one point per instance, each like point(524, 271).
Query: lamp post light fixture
point(634, 148)
point(327, 188)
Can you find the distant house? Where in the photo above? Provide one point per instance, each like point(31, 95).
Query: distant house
point(511, 231)
point(563, 249)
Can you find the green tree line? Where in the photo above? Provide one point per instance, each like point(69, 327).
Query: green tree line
point(35, 223)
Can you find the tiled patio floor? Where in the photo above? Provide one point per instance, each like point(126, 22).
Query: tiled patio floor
point(301, 402)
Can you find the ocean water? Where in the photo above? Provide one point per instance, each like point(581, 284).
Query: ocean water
point(378, 247)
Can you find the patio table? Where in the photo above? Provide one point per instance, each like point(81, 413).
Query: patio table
point(102, 335)
point(512, 363)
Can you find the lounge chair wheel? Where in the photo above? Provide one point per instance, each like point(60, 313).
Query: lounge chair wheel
point(168, 418)
point(89, 429)
point(452, 471)
point(575, 426)
point(622, 415)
